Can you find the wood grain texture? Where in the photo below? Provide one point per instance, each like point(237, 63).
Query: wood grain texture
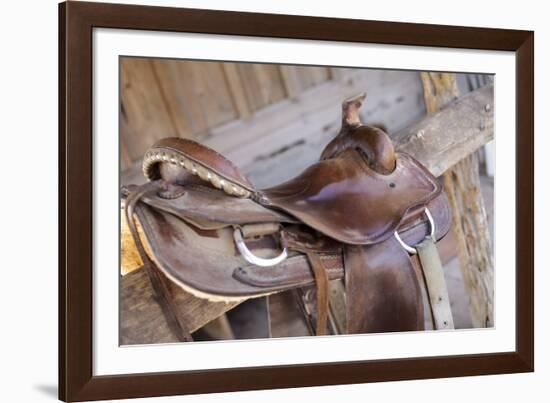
point(143, 321)
point(197, 96)
point(473, 241)
point(144, 114)
point(470, 226)
point(236, 89)
point(446, 137)
point(438, 141)
point(262, 84)
point(274, 143)
point(297, 79)
point(196, 93)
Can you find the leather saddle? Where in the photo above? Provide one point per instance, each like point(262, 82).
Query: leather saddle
point(354, 216)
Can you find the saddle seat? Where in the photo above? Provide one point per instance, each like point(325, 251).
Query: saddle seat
point(345, 199)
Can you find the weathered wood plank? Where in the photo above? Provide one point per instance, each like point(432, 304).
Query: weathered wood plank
point(440, 89)
point(236, 89)
point(473, 238)
point(143, 321)
point(285, 138)
point(196, 93)
point(438, 141)
point(320, 106)
point(143, 110)
point(291, 80)
point(125, 158)
point(297, 79)
point(441, 140)
point(312, 76)
point(263, 84)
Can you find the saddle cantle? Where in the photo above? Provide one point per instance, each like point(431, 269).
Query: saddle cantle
point(348, 216)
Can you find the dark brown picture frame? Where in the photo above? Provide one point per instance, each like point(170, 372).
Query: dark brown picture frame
point(76, 23)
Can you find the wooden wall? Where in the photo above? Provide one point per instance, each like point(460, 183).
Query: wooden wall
point(271, 120)
point(162, 97)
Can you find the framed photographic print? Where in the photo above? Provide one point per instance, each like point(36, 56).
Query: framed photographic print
point(252, 201)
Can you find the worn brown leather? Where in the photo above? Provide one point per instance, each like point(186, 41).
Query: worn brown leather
point(336, 219)
point(382, 290)
point(412, 232)
point(211, 254)
point(322, 284)
point(201, 155)
point(210, 208)
point(345, 199)
point(371, 142)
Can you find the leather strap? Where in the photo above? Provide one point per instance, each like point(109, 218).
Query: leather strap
point(161, 290)
point(322, 285)
point(312, 245)
point(259, 230)
point(382, 291)
point(436, 286)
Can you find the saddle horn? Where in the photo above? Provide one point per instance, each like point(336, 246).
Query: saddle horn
point(350, 110)
point(371, 142)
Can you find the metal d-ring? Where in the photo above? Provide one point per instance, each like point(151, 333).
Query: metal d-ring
point(250, 257)
point(410, 249)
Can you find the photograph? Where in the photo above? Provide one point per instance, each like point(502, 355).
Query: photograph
point(263, 200)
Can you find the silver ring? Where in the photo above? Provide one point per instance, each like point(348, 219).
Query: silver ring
point(250, 257)
point(410, 249)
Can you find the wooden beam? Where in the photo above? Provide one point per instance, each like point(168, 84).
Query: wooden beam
point(143, 321)
point(446, 137)
point(463, 188)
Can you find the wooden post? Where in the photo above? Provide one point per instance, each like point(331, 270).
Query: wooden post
point(463, 187)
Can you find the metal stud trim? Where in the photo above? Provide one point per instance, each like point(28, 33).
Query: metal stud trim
point(151, 158)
